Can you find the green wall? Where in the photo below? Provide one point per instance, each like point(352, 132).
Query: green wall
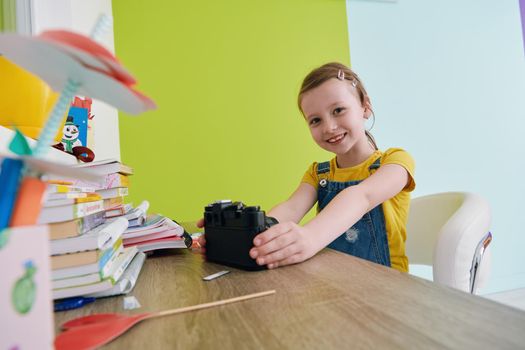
point(1, 15)
point(225, 75)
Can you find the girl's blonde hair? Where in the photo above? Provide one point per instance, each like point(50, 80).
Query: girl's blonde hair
point(338, 71)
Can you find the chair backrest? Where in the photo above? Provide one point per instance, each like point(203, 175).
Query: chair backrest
point(443, 231)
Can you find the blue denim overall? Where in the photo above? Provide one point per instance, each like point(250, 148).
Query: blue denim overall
point(367, 239)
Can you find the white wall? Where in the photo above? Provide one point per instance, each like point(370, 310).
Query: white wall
point(447, 82)
point(80, 16)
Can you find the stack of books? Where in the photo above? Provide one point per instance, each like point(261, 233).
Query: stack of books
point(91, 262)
point(114, 186)
point(157, 232)
point(98, 242)
point(87, 252)
point(136, 216)
point(65, 202)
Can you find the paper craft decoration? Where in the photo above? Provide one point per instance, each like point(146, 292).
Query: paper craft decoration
point(25, 296)
point(26, 100)
point(73, 64)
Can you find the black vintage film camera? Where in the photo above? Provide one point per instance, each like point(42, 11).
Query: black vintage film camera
point(229, 229)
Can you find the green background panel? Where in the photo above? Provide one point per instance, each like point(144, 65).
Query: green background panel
point(225, 76)
point(1, 15)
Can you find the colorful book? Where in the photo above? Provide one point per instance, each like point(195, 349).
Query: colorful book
point(84, 258)
point(113, 192)
point(137, 222)
point(107, 181)
point(128, 280)
point(158, 232)
point(100, 237)
point(123, 261)
point(59, 188)
point(153, 220)
point(119, 211)
point(101, 266)
point(64, 195)
point(57, 181)
point(153, 236)
point(184, 241)
point(89, 197)
point(69, 212)
point(107, 166)
point(154, 223)
point(116, 180)
point(117, 267)
point(82, 290)
point(75, 227)
point(110, 203)
point(107, 283)
point(140, 211)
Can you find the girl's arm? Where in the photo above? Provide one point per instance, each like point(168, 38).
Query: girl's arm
point(295, 207)
point(288, 243)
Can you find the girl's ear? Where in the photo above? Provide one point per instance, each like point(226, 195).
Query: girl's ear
point(368, 108)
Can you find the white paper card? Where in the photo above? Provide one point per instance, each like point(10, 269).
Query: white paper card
point(26, 320)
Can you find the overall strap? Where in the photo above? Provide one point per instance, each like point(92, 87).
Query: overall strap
point(323, 167)
point(375, 165)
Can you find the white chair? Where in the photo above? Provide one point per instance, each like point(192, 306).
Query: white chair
point(450, 232)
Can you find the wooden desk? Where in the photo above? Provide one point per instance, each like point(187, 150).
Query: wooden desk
point(332, 301)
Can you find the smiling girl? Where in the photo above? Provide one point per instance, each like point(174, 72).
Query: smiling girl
point(363, 194)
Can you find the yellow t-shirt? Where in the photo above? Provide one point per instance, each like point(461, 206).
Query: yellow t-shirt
point(395, 209)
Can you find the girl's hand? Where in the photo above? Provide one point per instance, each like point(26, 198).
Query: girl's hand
point(283, 244)
point(201, 239)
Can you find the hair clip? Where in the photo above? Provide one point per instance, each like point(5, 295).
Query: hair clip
point(341, 75)
point(354, 83)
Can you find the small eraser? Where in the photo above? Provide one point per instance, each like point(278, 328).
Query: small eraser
point(215, 275)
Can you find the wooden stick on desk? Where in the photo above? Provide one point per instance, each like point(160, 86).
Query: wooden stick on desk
point(212, 304)
point(93, 331)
